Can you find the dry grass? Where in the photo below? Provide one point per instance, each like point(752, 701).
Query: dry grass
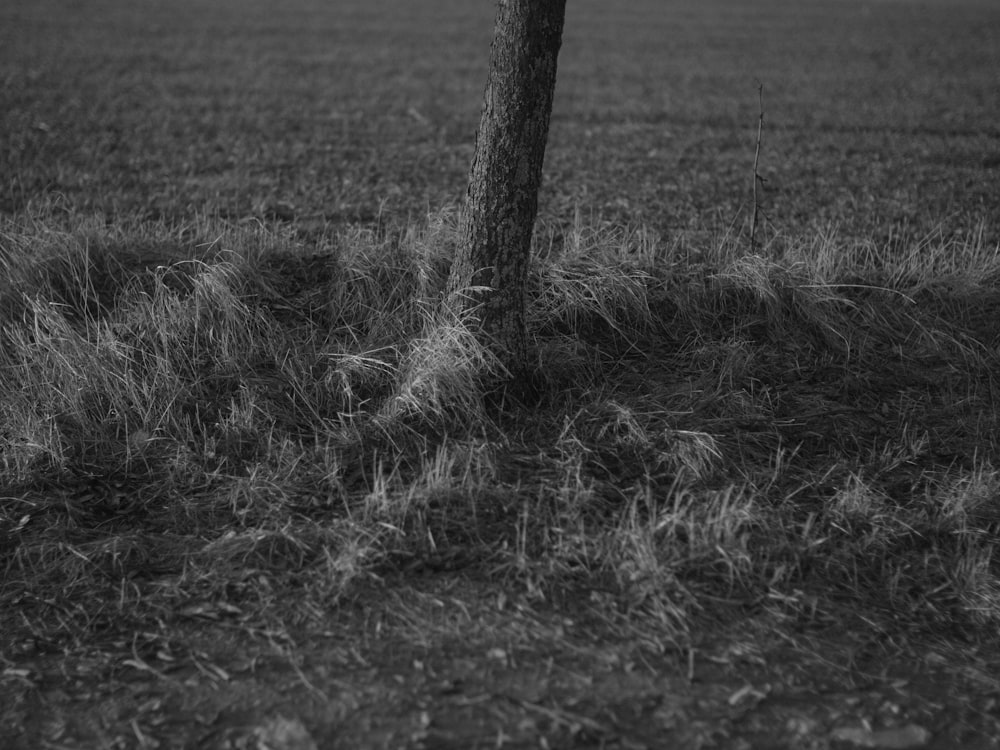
point(320, 426)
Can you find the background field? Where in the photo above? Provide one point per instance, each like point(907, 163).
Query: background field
point(879, 115)
point(252, 492)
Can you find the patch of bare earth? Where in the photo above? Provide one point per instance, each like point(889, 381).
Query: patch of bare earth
point(451, 660)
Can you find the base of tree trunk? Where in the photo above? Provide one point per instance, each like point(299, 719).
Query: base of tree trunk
point(489, 273)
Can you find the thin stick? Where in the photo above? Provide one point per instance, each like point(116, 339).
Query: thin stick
point(756, 175)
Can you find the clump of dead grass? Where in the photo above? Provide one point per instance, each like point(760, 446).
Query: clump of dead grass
point(724, 431)
point(444, 375)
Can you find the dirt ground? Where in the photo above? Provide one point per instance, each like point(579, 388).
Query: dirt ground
point(450, 661)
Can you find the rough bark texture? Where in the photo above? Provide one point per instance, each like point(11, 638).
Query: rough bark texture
point(506, 172)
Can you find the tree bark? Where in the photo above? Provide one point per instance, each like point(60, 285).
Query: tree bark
point(489, 272)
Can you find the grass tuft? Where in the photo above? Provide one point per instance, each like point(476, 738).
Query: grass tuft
point(443, 376)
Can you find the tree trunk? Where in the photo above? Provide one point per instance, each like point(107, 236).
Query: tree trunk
point(489, 272)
